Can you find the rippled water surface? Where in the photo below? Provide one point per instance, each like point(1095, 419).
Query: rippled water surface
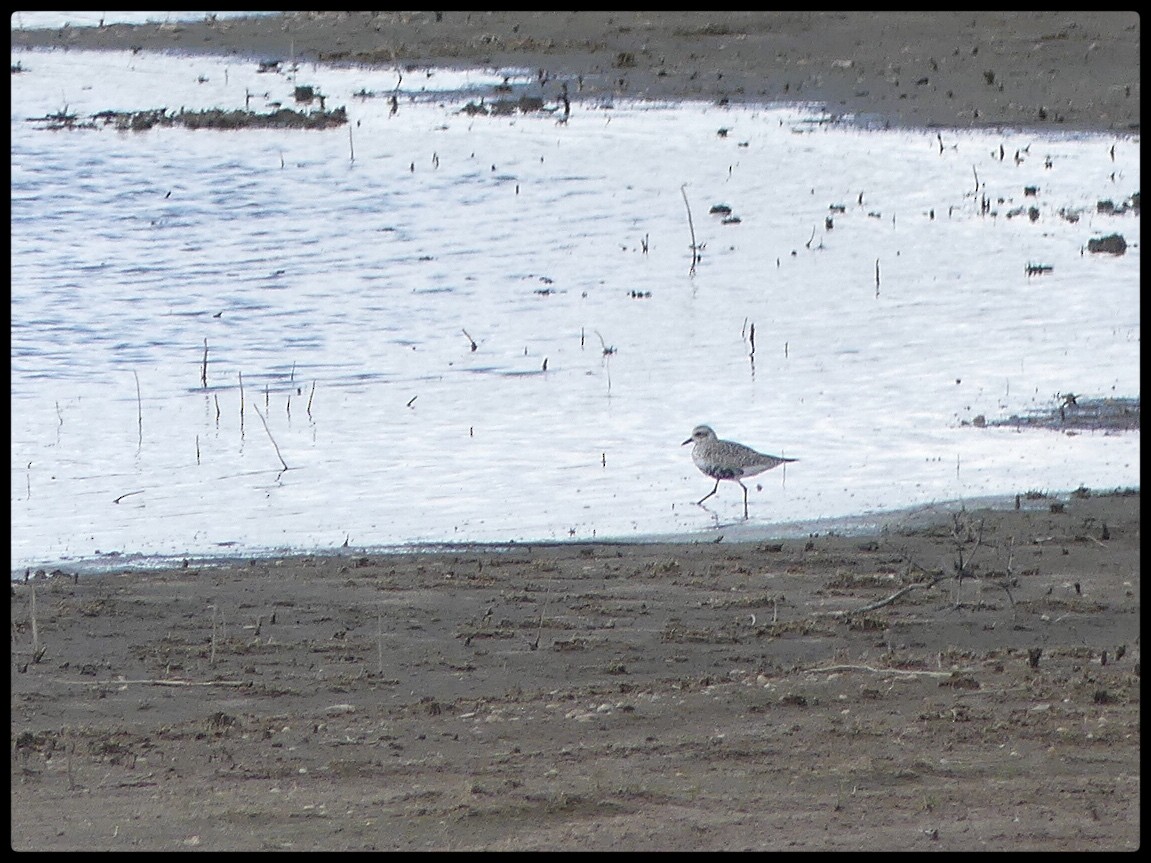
point(485, 328)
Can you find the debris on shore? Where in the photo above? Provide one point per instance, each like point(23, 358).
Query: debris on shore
point(212, 118)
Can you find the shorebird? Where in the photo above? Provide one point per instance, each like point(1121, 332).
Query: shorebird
point(725, 459)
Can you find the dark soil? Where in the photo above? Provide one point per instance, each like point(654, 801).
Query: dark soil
point(639, 697)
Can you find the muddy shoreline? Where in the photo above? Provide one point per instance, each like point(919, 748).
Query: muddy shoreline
point(819, 693)
point(1044, 71)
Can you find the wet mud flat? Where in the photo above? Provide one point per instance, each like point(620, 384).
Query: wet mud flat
point(1074, 414)
point(971, 683)
point(947, 69)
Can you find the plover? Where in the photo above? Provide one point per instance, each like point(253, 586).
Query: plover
point(725, 459)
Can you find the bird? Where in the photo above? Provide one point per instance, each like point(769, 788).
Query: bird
point(725, 459)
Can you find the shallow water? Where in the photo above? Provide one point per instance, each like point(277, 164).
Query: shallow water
point(341, 291)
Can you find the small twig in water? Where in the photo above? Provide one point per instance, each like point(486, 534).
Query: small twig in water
point(607, 352)
point(691, 227)
point(139, 411)
point(272, 439)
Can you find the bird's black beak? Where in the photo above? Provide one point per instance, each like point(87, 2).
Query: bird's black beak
point(686, 442)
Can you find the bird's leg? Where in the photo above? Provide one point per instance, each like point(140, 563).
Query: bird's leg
point(744, 487)
point(709, 494)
